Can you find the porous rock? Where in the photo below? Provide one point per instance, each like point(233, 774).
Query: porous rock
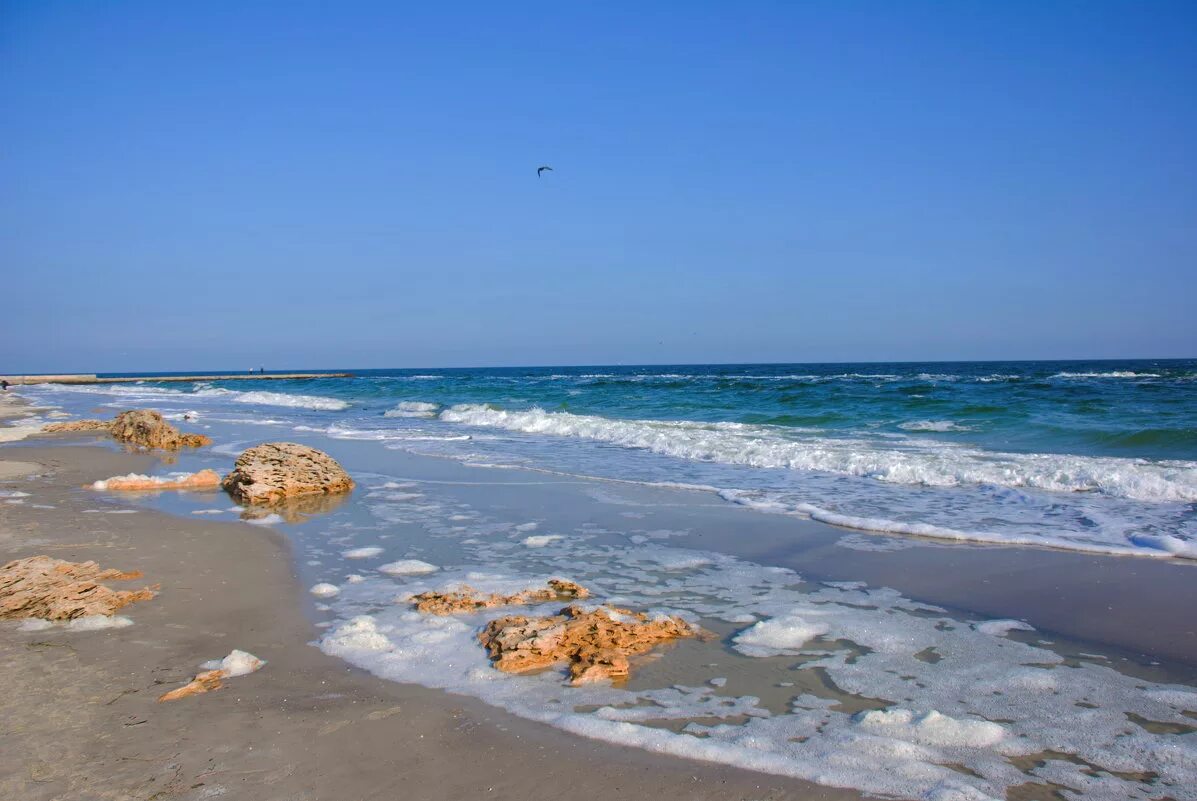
point(467, 599)
point(275, 471)
point(77, 425)
point(596, 644)
point(147, 429)
point(203, 682)
point(54, 589)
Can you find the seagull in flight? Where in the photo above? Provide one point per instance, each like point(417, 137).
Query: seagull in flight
point(539, 170)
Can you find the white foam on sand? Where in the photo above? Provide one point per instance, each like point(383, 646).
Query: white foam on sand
point(237, 663)
point(986, 703)
point(780, 635)
point(19, 430)
point(172, 478)
point(266, 520)
point(361, 553)
point(324, 590)
point(540, 540)
point(408, 567)
point(1000, 628)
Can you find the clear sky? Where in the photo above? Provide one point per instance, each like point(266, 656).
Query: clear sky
point(295, 184)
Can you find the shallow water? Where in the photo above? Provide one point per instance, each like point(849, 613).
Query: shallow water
point(793, 698)
point(1093, 456)
point(844, 682)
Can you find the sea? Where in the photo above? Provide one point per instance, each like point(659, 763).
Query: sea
point(1096, 456)
point(648, 484)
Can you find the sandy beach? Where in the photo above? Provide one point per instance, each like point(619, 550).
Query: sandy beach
point(598, 401)
point(81, 720)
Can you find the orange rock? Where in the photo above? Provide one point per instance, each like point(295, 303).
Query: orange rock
point(468, 600)
point(596, 644)
point(203, 480)
point(77, 425)
point(146, 428)
point(43, 587)
point(202, 683)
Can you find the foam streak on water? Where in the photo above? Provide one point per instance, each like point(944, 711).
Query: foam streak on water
point(840, 683)
point(969, 711)
point(1093, 456)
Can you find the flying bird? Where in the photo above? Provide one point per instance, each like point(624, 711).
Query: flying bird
point(539, 170)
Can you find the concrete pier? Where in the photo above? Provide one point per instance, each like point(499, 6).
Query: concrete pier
point(83, 378)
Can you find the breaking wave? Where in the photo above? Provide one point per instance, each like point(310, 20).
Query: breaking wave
point(413, 409)
point(910, 461)
point(277, 399)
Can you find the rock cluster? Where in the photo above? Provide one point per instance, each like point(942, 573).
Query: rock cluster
point(78, 425)
point(275, 471)
point(596, 644)
point(146, 428)
point(203, 480)
point(143, 427)
point(467, 599)
point(53, 589)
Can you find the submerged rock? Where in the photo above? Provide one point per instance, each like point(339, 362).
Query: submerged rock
point(146, 428)
point(53, 589)
point(135, 482)
point(467, 599)
point(596, 643)
point(78, 425)
point(272, 472)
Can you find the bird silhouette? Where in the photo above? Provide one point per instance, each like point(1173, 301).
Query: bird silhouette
point(539, 170)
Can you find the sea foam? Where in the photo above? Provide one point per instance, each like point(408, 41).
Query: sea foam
point(262, 398)
point(925, 463)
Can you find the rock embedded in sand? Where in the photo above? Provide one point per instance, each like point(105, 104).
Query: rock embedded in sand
point(596, 643)
point(53, 589)
point(202, 683)
point(147, 428)
point(237, 663)
point(134, 482)
point(78, 425)
point(274, 471)
point(467, 599)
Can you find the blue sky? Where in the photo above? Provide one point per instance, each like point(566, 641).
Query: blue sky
point(319, 185)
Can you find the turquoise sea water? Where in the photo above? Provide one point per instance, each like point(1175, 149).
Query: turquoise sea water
point(1098, 456)
point(831, 679)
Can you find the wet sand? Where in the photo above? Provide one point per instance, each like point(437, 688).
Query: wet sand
point(83, 721)
point(80, 719)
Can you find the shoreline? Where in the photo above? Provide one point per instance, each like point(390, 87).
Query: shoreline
point(83, 722)
point(954, 577)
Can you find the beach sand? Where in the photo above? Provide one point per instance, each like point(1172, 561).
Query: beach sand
point(81, 720)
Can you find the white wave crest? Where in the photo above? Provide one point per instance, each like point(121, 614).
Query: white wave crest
point(934, 425)
point(277, 399)
point(917, 462)
point(413, 409)
point(1112, 374)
